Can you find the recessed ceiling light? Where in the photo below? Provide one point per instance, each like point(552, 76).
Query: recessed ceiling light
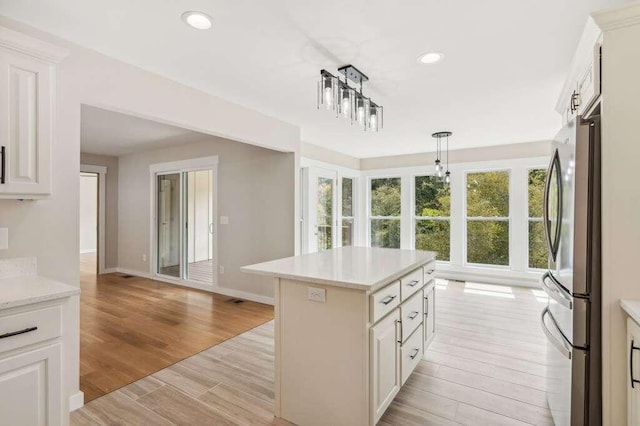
point(430, 58)
point(197, 20)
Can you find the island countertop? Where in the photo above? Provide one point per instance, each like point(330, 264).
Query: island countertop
point(361, 268)
point(27, 289)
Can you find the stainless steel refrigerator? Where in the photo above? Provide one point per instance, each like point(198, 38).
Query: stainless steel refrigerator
point(571, 319)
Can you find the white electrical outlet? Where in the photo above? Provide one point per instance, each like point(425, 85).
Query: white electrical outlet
point(222, 269)
point(144, 257)
point(317, 294)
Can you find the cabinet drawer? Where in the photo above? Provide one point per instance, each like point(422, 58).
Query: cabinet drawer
point(429, 271)
point(411, 313)
point(411, 283)
point(411, 354)
point(385, 301)
point(28, 327)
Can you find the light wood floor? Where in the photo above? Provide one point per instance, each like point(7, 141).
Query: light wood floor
point(133, 327)
point(485, 367)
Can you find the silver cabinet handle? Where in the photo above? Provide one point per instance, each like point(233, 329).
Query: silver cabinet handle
point(401, 332)
point(631, 349)
point(388, 300)
point(430, 271)
point(413, 315)
point(415, 354)
point(211, 228)
point(426, 306)
point(413, 283)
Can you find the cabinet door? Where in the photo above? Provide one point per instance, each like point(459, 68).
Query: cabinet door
point(429, 314)
point(385, 363)
point(31, 389)
point(25, 125)
point(633, 372)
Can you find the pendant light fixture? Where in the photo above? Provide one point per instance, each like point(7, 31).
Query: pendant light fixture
point(349, 102)
point(440, 170)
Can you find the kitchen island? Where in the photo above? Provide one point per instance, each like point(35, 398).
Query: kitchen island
point(351, 324)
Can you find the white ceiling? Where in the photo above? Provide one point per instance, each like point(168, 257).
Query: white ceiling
point(111, 133)
point(504, 65)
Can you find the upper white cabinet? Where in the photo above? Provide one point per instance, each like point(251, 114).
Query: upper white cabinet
point(27, 91)
point(582, 86)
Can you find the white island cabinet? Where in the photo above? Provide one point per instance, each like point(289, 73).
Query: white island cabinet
point(352, 324)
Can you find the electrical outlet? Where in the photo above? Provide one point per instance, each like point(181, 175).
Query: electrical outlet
point(144, 257)
point(221, 269)
point(317, 294)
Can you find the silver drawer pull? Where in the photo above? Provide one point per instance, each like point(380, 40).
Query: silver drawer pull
point(413, 283)
point(415, 354)
point(413, 315)
point(430, 271)
point(15, 333)
point(388, 300)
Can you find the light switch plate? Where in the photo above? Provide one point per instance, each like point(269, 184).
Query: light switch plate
point(4, 238)
point(317, 294)
point(224, 220)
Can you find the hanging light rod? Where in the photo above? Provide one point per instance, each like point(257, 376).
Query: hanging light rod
point(446, 176)
point(337, 95)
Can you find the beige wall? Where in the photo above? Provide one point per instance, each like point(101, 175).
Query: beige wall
point(325, 155)
point(472, 155)
point(255, 190)
point(48, 229)
point(620, 203)
point(111, 204)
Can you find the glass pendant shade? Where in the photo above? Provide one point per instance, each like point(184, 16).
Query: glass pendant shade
point(346, 102)
point(438, 167)
point(447, 177)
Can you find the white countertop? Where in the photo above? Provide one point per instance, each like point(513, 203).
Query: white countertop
point(362, 268)
point(27, 289)
point(632, 308)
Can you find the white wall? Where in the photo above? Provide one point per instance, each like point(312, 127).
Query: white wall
point(49, 229)
point(88, 213)
point(255, 191)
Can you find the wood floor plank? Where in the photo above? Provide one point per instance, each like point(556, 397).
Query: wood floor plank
point(118, 409)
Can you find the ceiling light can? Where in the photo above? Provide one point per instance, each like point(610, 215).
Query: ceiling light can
point(430, 57)
point(197, 20)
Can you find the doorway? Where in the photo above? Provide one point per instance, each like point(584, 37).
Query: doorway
point(88, 219)
point(185, 226)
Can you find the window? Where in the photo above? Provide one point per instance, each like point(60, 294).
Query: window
point(537, 245)
point(432, 216)
point(324, 213)
point(488, 218)
point(347, 211)
point(385, 212)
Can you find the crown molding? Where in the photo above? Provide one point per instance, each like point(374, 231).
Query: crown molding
point(31, 46)
point(618, 17)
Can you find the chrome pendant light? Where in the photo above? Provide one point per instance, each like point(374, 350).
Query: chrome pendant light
point(349, 102)
point(443, 174)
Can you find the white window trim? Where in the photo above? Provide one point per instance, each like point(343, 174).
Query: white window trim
point(532, 219)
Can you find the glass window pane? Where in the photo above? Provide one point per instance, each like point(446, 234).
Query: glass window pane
point(538, 257)
point(488, 242)
point(433, 197)
point(347, 232)
point(385, 197)
point(488, 194)
point(385, 233)
point(324, 213)
point(169, 197)
point(434, 235)
point(536, 191)
point(347, 197)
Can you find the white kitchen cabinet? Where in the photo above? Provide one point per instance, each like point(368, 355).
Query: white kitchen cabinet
point(30, 387)
point(633, 372)
point(429, 295)
point(385, 358)
point(27, 76)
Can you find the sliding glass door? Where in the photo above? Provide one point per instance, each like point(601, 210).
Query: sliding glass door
point(185, 226)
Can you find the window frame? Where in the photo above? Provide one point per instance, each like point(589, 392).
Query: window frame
point(415, 218)
point(368, 203)
point(532, 219)
point(354, 211)
point(466, 219)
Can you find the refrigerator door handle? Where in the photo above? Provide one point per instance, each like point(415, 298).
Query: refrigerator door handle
point(553, 241)
point(556, 292)
point(561, 346)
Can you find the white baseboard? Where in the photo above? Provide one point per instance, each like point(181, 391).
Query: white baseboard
point(109, 271)
point(212, 289)
point(76, 401)
point(513, 281)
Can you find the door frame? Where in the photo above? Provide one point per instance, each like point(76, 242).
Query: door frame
point(190, 165)
point(101, 171)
